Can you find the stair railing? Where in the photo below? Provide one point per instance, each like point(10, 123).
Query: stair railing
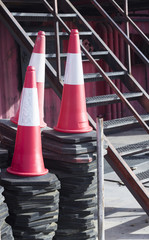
point(54, 12)
point(128, 53)
point(93, 61)
point(127, 39)
point(129, 21)
point(57, 41)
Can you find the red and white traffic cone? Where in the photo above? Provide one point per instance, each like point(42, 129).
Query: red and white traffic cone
point(27, 159)
point(38, 61)
point(73, 114)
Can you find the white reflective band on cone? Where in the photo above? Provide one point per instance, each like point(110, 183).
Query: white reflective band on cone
point(29, 109)
point(37, 60)
point(74, 70)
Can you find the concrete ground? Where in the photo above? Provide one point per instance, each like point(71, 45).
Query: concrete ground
point(124, 217)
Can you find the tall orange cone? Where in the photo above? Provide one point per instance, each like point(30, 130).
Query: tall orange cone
point(38, 61)
point(27, 159)
point(73, 114)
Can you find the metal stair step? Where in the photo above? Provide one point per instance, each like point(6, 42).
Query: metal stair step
point(23, 1)
point(110, 99)
point(93, 77)
point(61, 34)
point(98, 55)
point(144, 176)
point(121, 124)
point(131, 149)
point(39, 16)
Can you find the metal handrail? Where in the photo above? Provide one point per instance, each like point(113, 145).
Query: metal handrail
point(106, 78)
point(130, 20)
point(132, 45)
point(57, 41)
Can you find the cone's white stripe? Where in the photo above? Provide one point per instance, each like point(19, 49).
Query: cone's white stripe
point(37, 60)
point(29, 109)
point(74, 69)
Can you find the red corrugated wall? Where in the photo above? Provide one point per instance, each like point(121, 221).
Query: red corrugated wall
point(9, 77)
point(9, 94)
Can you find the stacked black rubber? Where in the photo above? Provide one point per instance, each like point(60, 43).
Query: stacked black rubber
point(72, 157)
point(5, 229)
point(33, 204)
point(3, 158)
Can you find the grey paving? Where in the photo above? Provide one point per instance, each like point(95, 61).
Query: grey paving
point(124, 217)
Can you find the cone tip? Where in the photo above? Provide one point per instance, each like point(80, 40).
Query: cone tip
point(39, 46)
point(41, 33)
point(30, 68)
point(74, 42)
point(74, 31)
point(30, 78)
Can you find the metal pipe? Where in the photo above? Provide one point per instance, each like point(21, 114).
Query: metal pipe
point(130, 21)
point(133, 46)
point(57, 41)
point(100, 179)
point(128, 35)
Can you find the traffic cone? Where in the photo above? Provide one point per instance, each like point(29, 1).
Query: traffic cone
point(38, 61)
point(73, 115)
point(27, 159)
point(15, 118)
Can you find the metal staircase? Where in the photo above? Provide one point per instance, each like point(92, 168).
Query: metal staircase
point(25, 19)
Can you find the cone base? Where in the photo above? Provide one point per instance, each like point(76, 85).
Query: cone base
point(74, 130)
point(25, 173)
point(14, 120)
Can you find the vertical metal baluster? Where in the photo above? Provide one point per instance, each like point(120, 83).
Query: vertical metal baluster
point(57, 41)
point(100, 178)
point(127, 32)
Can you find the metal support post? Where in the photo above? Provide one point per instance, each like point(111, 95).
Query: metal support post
point(57, 41)
point(127, 33)
point(100, 178)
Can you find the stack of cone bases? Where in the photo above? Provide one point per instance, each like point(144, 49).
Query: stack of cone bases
point(73, 158)
point(5, 229)
point(38, 61)
point(73, 115)
point(33, 204)
point(31, 192)
point(27, 159)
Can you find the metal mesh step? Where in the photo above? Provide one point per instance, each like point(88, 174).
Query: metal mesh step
point(110, 99)
point(39, 16)
point(143, 175)
point(132, 149)
point(98, 54)
point(122, 123)
point(90, 77)
point(61, 34)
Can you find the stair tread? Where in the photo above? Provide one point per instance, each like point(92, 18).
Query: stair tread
point(64, 55)
point(133, 148)
point(25, 16)
point(143, 176)
point(29, 14)
point(96, 76)
point(90, 77)
point(51, 34)
point(123, 121)
point(111, 98)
